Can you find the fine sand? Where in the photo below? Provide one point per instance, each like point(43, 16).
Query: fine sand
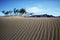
point(26, 28)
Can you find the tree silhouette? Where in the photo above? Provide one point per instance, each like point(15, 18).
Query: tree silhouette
point(17, 11)
point(6, 13)
point(3, 11)
point(22, 11)
point(14, 11)
point(10, 12)
point(31, 13)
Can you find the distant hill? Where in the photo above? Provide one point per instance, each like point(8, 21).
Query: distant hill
point(44, 15)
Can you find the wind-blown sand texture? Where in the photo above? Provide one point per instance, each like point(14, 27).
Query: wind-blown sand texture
point(20, 28)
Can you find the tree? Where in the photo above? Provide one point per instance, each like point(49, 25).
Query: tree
point(6, 13)
point(17, 12)
point(31, 13)
point(3, 11)
point(10, 12)
point(22, 11)
point(14, 11)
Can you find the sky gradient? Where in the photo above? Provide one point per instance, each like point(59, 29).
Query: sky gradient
point(51, 7)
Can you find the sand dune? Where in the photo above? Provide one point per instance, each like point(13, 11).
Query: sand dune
point(26, 28)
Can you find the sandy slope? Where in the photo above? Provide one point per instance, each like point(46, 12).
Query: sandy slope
point(26, 28)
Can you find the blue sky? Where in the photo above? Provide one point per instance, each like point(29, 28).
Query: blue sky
point(51, 7)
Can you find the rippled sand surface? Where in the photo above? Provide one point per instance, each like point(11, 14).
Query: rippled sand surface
point(26, 28)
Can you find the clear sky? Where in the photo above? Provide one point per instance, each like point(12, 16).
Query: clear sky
point(51, 7)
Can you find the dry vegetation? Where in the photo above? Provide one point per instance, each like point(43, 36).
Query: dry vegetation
point(17, 28)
